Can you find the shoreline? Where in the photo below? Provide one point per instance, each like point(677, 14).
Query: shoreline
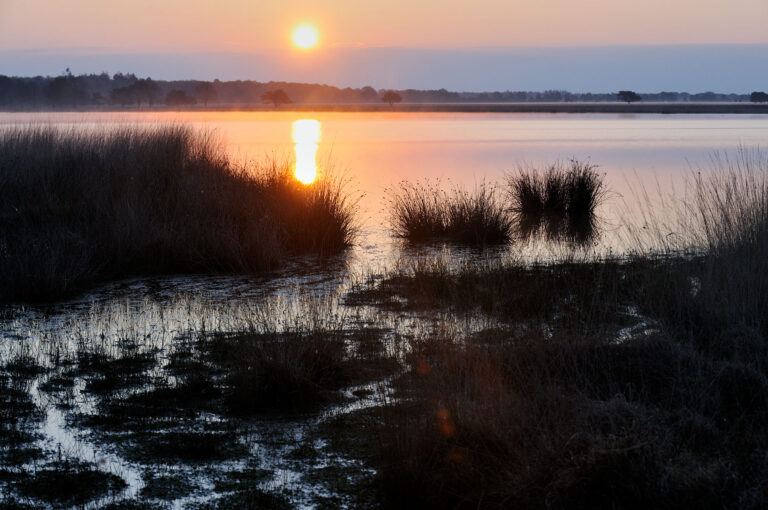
point(636, 108)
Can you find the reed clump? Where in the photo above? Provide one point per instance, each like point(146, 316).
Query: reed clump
point(424, 212)
point(559, 202)
point(81, 207)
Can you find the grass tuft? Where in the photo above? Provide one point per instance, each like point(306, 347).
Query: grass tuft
point(559, 202)
point(423, 212)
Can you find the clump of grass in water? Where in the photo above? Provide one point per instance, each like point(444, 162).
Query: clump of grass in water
point(81, 207)
point(423, 212)
point(559, 202)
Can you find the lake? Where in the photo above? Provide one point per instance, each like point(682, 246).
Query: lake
point(377, 150)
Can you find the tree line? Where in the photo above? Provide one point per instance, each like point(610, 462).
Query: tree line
point(128, 90)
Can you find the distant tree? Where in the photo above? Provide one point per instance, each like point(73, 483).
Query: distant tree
point(178, 98)
point(628, 96)
point(276, 97)
point(122, 96)
point(391, 97)
point(205, 92)
point(369, 94)
point(66, 90)
point(758, 97)
point(146, 90)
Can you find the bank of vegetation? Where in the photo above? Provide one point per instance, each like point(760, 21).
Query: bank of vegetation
point(78, 207)
point(633, 383)
point(559, 203)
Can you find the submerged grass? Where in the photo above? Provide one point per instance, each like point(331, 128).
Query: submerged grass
point(80, 207)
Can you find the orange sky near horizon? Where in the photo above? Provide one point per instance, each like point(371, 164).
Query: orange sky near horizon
point(247, 25)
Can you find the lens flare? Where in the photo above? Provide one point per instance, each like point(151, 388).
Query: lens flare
point(306, 136)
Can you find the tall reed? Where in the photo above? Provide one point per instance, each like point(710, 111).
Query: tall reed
point(82, 206)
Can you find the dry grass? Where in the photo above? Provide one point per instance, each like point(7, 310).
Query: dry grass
point(423, 212)
point(80, 207)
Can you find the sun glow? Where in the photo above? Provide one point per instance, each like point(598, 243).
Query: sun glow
point(305, 36)
point(306, 136)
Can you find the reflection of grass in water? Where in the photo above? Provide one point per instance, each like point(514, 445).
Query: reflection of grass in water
point(84, 207)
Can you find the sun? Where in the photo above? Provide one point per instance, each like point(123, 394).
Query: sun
point(305, 36)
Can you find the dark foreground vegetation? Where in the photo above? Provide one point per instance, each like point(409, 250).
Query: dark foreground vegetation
point(80, 207)
point(633, 383)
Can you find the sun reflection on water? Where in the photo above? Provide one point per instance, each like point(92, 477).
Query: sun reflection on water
point(306, 136)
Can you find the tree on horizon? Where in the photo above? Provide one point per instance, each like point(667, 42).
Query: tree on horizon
point(758, 97)
point(178, 97)
point(205, 92)
point(628, 96)
point(391, 97)
point(276, 97)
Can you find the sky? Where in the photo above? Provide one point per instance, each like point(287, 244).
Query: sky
point(595, 45)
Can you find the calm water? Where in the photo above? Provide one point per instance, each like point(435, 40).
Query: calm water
point(379, 149)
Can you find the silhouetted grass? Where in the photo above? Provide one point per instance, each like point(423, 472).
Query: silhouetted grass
point(80, 207)
point(721, 225)
point(637, 383)
point(423, 212)
point(559, 202)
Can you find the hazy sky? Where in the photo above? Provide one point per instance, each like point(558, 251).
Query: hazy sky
point(248, 25)
point(44, 36)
